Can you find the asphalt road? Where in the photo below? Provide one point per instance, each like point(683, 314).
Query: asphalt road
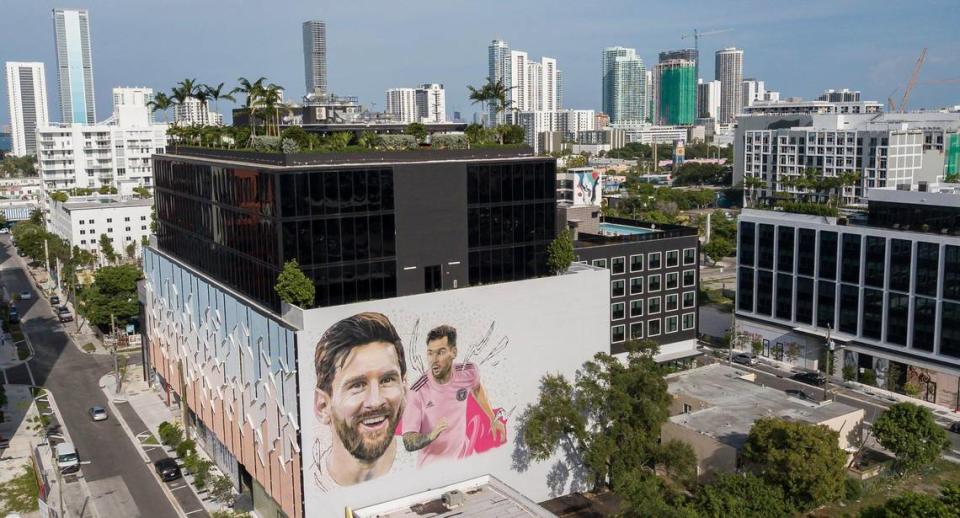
point(120, 482)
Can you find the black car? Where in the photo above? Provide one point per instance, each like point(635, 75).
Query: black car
point(14, 315)
point(168, 469)
point(817, 379)
point(54, 300)
point(64, 314)
point(955, 427)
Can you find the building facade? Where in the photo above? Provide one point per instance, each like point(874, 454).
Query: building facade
point(192, 112)
point(71, 29)
point(708, 100)
point(315, 56)
point(80, 221)
point(676, 87)
point(684, 54)
point(431, 103)
point(27, 97)
point(625, 84)
point(498, 69)
point(753, 90)
point(729, 71)
point(840, 96)
point(402, 104)
point(568, 123)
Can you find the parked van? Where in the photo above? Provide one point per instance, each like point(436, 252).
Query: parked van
point(67, 459)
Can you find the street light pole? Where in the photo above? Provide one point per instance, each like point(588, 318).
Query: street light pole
point(826, 386)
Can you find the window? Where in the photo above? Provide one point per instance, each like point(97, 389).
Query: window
point(670, 301)
point(688, 322)
point(689, 278)
point(653, 305)
point(81, 222)
point(872, 316)
point(109, 220)
point(616, 334)
point(636, 263)
point(617, 265)
point(687, 409)
point(928, 263)
point(689, 256)
point(950, 329)
point(826, 300)
point(618, 288)
point(600, 263)
point(828, 255)
point(924, 323)
point(901, 257)
point(653, 327)
point(765, 247)
point(143, 218)
point(764, 292)
point(951, 272)
point(673, 280)
point(636, 286)
point(143, 227)
point(849, 313)
point(745, 289)
point(617, 311)
point(897, 314)
point(850, 265)
point(636, 330)
point(806, 251)
point(671, 324)
point(875, 259)
point(110, 230)
point(83, 241)
point(673, 258)
point(126, 218)
point(653, 261)
point(689, 299)
point(745, 251)
point(431, 279)
point(128, 229)
point(636, 308)
point(783, 307)
point(82, 231)
point(785, 249)
point(653, 283)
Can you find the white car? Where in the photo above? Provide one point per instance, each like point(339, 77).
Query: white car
point(98, 413)
point(4, 230)
point(25, 295)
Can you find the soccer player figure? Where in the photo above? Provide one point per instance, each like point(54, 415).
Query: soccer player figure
point(435, 418)
point(361, 374)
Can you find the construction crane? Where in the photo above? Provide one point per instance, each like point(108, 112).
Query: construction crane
point(891, 105)
point(913, 80)
point(941, 81)
point(697, 35)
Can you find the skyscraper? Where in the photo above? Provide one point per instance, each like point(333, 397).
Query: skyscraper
point(624, 85)
point(431, 103)
point(687, 54)
point(752, 90)
point(498, 56)
point(71, 29)
point(708, 99)
point(729, 71)
point(402, 104)
point(533, 86)
point(315, 56)
point(27, 93)
point(676, 87)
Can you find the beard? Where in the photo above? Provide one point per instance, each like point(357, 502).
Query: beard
point(368, 447)
point(441, 372)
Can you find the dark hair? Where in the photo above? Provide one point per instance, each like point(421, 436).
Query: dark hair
point(342, 337)
point(449, 332)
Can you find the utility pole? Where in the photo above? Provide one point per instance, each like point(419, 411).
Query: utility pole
point(116, 363)
point(46, 255)
point(734, 336)
point(826, 385)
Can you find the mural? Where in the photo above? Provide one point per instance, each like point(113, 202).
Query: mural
point(586, 188)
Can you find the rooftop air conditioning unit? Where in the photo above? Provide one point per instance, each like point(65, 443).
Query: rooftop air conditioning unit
point(453, 499)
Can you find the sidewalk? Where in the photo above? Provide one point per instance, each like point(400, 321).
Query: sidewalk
point(140, 412)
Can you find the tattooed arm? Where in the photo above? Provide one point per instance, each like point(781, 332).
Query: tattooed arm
point(414, 441)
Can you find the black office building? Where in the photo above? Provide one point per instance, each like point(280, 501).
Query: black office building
point(361, 226)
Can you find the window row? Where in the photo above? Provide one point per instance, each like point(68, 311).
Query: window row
point(333, 192)
point(671, 281)
point(500, 183)
point(357, 238)
point(507, 264)
point(652, 260)
point(653, 327)
point(493, 226)
point(652, 305)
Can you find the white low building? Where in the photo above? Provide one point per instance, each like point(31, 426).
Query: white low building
point(82, 220)
point(20, 188)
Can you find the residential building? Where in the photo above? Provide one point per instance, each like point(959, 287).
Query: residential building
point(534, 86)
point(80, 221)
point(568, 123)
point(71, 30)
point(192, 112)
point(315, 56)
point(791, 105)
point(752, 90)
point(714, 407)
point(885, 150)
point(499, 69)
point(708, 100)
point(402, 104)
point(649, 133)
point(878, 291)
point(625, 84)
point(114, 153)
point(676, 87)
point(602, 120)
point(29, 188)
point(431, 103)
point(729, 71)
point(419, 245)
point(27, 97)
point(840, 96)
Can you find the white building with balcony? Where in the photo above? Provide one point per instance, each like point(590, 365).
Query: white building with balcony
point(82, 220)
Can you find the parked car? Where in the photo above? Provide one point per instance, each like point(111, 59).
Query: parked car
point(816, 379)
point(54, 300)
point(168, 469)
point(799, 394)
point(67, 458)
point(14, 315)
point(64, 315)
point(955, 427)
point(745, 359)
point(4, 230)
point(26, 295)
point(98, 413)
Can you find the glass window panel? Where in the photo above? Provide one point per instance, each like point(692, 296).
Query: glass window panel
point(784, 306)
point(804, 300)
point(806, 251)
point(828, 255)
point(765, 247)
point(951, 272)
point(785, 249)
point(872, 321)
point(875, 259)
point(849, 312)
point(950, 329)
point(924, 323)
point(898, 307)
point(826, 304)
point(745, 289)
point(764, 292)
point(901, 257)
point(928, 263)
point(386, 202)
point(746, 249)
point(850, 266)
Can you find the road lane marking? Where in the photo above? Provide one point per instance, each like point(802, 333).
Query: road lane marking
point(195, 511)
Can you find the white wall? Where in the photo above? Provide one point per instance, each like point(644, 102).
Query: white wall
point(517, 331)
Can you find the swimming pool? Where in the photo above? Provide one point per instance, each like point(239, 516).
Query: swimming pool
point(613, 229)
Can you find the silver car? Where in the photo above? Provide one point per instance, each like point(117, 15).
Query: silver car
point(745, 359)
point(98, 413)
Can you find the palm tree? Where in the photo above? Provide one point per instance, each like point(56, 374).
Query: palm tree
point(161, 103)
point(184, 90)
point(216, 93)
point(270, 101)
point(480, 95)
point(253, 92)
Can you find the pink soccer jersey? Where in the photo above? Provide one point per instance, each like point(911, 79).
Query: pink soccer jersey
point(428, 402)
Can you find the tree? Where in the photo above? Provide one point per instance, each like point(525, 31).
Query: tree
point(476, 134)
point(369, 140)
point(216, 93)
point(106, 248)
point(803, 459)
point(741, 496)
point(609, 418)
point(160, 103)
point(510, 134)
point(298, 135)
point(910, 432)
point(416, 130)
point(294, 287)
point(718, 248)
point(142, 192)
point(678, 461)
point(253, 92)
point(560, 253)
point(60, 196)
point(113, 292)
point(221, 490)
point(911, 505)
point(132, 249)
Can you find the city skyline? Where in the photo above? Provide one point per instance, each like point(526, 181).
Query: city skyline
point(362, 63)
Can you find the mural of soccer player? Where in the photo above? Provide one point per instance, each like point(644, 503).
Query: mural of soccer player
point(447, 409)
point(360, 393)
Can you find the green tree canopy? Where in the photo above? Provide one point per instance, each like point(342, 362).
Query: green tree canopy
point(417, 131)
point(609, 417)
point(60, 196)
point(106, 248)
point(912, 505)
point(718, 248)
point(113, 292)
point(910, 432)
point(741, 496)
point(560, 253)
point(803, 459)
point(294, 287)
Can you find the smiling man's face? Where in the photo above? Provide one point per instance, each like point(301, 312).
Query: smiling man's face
point(366, 400)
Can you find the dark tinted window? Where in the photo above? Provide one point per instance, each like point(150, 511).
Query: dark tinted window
point(950, 329)
point(828, 255)
point(785, 249)
point(745, 289)
point(872, 325)
point(850, 267)
point(764, 292)
point(804, 300)
point(806, 251)
point(745, 252)
point(924, 323)
point(826, 304)
point(897, 315)
point(876, 256)
point(849, 314)
point(928, 263)
point(900, 259)
point(784, 302)
point(765, 247)
point(951, 272)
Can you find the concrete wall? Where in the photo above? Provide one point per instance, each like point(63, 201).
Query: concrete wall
point(712, 456)
point(848, 425)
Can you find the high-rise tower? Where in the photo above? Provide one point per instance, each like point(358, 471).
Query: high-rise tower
point(315, 56)
point(27, 93)
point(676, 86)
point(729, 71)
point(71, 29)
point(624, 85)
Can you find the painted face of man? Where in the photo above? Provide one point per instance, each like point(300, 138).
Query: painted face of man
point(440, 356)
point(366, 401)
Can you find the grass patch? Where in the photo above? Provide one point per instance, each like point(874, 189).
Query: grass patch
point(150, 439)
point(37, 391)
point(22, 351)
point(715, 296)
point(20, 494)
point(89, 347)
point(881, 488)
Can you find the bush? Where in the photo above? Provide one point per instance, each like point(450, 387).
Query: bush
point(264, 143)
point(849, 373)
point(201, 473)
point(89, 347)
point(171, 434)
point(449, 141)
point(398, 142)
point(853, 489)
point(186, 447)
point(868, 377)
point(290, 146)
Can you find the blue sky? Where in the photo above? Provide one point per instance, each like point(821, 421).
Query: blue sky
point(798, 48)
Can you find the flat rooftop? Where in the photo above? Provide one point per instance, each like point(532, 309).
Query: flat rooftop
point(485, 497)
point(733, 404)
point(100, 202)
point(621, 230)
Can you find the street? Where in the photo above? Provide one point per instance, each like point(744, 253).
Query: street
point(120, 483)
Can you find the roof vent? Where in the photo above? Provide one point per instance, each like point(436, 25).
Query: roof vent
point(453, 499)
